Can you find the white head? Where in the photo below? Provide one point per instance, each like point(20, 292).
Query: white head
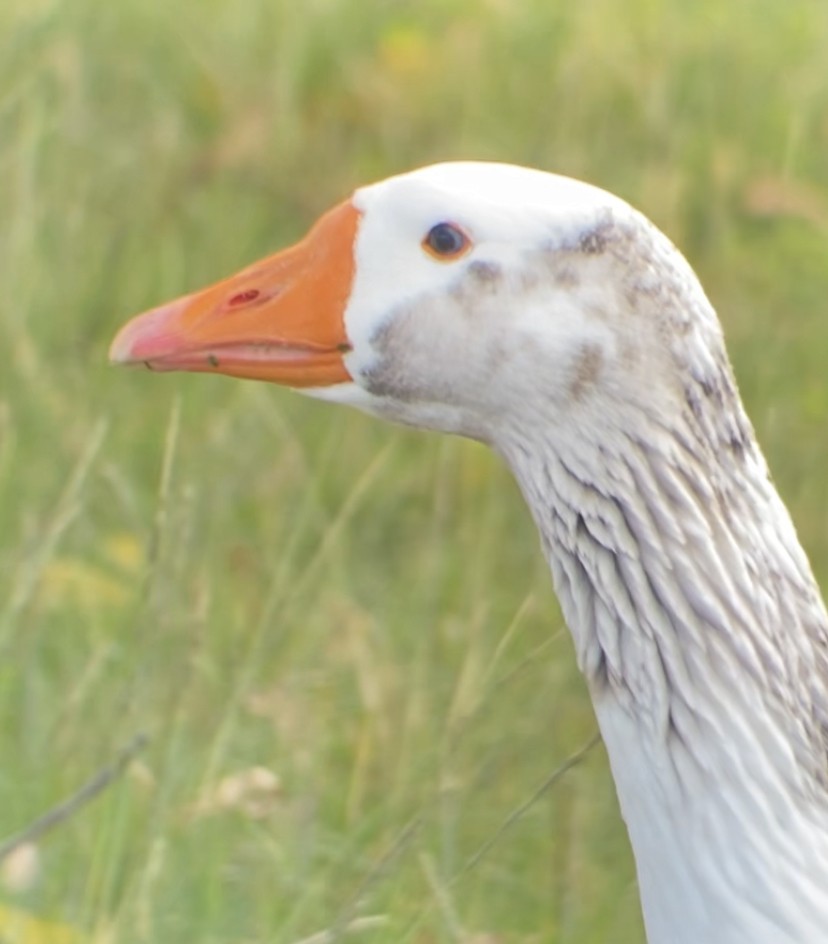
point(464, 297)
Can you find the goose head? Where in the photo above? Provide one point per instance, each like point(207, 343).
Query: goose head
point(462, 297)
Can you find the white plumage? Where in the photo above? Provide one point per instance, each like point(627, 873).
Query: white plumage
point(570, 335)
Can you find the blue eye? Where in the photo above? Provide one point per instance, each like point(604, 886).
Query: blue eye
point(446, 241)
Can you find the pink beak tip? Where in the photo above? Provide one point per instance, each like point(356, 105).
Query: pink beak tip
point(145, 336)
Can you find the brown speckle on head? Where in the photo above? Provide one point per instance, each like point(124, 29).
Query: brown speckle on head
point(586, 370)
point(593, 242)
point(479, 279)
point(484, 273)
point(387, 378)
point(599, 237)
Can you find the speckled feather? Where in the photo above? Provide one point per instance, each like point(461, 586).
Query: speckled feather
point(578, 342)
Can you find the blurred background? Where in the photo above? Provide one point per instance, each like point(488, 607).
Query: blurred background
point(340, 637)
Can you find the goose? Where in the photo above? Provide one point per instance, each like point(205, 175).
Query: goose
point(550, 320)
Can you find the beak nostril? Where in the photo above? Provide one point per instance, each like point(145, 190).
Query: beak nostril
point(242, 298)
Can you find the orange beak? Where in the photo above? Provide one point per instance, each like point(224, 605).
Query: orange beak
point(281, 319)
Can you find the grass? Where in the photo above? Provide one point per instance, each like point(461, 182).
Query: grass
point(259, 581)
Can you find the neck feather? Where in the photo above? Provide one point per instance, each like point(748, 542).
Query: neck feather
point(704, 642)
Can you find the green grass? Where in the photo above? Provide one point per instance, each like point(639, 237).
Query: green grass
point(258, 580)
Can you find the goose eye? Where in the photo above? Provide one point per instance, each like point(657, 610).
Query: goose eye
point(446, 241)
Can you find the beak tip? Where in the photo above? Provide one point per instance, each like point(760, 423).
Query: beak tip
point(120, 351)
point(128, 345)
point(145, 336)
